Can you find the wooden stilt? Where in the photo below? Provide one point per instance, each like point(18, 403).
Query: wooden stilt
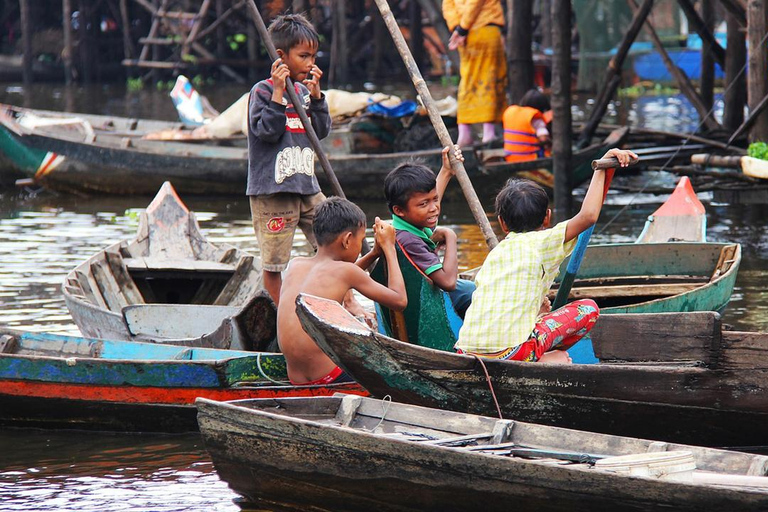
point(736, 8)
point(561, 107)
point(125, 20)
point(66, 55)
point(252, 48)
point(757, 17)
point(85, 45)
point(735, 81)
point(339, 47)
point(613, 73)
point(26, 41)
point(680, 77)
point(518, 42)
point(708, 56)
point(545, 23)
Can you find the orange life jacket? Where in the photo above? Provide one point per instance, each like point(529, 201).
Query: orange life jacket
point(520, 141)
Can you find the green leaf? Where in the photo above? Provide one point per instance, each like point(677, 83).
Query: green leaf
point(758, 150)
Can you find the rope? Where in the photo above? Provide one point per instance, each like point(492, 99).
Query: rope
point(385, 403)
point(677, 151)
point(263, 374)
point(490, 384)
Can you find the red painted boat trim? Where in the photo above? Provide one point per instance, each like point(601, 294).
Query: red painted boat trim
point(683, 201)
point(177, 396)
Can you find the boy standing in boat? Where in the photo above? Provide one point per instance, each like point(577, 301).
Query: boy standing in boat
point(510, 316)
point(339, 228)
point(282, 185)
point(413, 196)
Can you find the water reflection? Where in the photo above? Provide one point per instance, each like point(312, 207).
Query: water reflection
point(50, 472)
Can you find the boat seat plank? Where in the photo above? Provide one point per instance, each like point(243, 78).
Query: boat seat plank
point(695, 337)
point(189, 321)
point(642, 290)
point(91, 289)
point(460, 440)
point(243, 268)
point(123, 278)
point(107, 285)
point(152, 264)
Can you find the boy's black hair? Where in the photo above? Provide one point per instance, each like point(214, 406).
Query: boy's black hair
point(534, 98)
point(406, 179)
point(288, 30)
point(335, 216)
point(522, 205)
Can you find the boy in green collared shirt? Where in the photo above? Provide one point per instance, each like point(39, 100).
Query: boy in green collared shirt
point(413, 196)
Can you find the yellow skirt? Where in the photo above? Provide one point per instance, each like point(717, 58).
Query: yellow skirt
point(483, 86)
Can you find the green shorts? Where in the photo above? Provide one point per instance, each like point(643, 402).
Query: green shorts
point(275, 218)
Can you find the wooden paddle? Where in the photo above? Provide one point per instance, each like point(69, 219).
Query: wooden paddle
point(442, 132)
point(752, 167)
point(609, 165)
point(299, 106)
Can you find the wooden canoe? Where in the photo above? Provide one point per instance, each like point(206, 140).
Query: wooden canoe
point(672, 377)
point(170, 284)
point(348, 453)
point(52, 381)
point(91, 153)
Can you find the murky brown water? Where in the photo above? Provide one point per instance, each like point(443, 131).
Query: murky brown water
point(44, 235)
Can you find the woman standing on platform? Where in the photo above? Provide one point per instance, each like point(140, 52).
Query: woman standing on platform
point(476, 26)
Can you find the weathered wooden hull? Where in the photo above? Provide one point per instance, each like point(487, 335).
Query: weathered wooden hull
point(723, 406)
point(50, 381)
point(312, 462)
point(119, 161)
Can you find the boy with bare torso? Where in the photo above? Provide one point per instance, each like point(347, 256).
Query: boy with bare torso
point(339, 227)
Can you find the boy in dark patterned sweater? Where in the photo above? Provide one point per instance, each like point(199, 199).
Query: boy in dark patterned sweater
point(282, 186)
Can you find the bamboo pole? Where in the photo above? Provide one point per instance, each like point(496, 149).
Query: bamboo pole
point(299, 106)
point(613, 73)
point(442, 132)
point(561, 108)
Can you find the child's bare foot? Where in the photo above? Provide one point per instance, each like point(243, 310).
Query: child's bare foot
point(556, 357)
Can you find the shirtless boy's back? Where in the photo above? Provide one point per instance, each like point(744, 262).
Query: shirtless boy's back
point(340, 229)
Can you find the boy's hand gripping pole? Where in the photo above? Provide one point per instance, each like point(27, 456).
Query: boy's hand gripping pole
point(437, 122)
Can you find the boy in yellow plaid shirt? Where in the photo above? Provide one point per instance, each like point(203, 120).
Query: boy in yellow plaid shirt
point(510, 316)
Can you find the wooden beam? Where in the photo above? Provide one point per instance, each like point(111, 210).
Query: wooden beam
point(26, 42)
point(220, 18)
point(225, 69)
point(735, 94)
point(67, 53)
point(757, 21)
point(708, 55)
point(561, 107)
point(703, 26)
point(196, 25)
point(610, 83)
point(680, 77)
point(519, 54)
point(736, 8)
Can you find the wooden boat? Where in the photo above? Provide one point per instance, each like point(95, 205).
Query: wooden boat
point(682, 218)
point(90, 153)
point(52, 381)
point(657, 277)
point(672, 377)
point(171, 285)
point(348, 453)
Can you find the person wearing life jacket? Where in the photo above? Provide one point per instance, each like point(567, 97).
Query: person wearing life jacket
point(526, 136)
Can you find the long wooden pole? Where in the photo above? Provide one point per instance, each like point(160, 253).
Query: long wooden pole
point(299, 106)
point(437, 122)
point(561, 108)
